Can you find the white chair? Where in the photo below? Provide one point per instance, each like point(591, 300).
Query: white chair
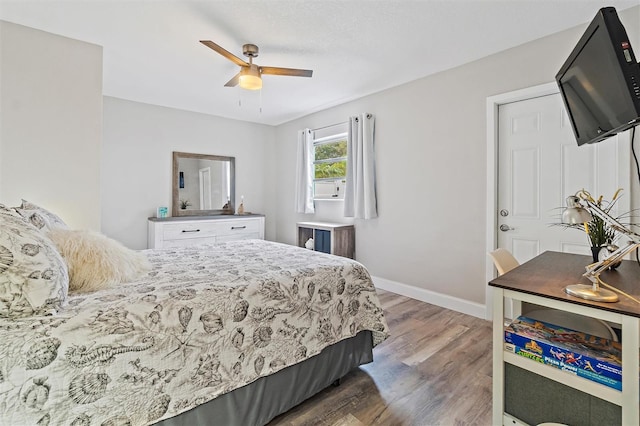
point(505, 262)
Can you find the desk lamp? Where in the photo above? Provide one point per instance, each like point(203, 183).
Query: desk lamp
point(580, 209)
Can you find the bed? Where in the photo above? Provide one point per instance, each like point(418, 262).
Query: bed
point(232, 333)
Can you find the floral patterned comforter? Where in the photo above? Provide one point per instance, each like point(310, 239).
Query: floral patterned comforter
point(203, 322)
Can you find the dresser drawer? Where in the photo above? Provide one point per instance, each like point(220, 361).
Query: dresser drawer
point(240, 228)
point(187, 230)
point(194, 231)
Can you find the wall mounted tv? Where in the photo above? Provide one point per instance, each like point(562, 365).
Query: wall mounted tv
point(600, 81)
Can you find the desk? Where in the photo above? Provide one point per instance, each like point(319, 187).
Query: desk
point(541, 281)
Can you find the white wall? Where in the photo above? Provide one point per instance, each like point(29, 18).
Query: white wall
point(137, 163)
point(51, 123)
point(431, 168)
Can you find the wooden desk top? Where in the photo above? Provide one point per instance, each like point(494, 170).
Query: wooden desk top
point(549, 273)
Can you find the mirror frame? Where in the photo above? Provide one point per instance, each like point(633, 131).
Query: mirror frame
point(176, 210)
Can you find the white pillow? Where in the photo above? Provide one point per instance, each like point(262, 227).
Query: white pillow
point(40, 217)
point(33, 276)
point(95, 261)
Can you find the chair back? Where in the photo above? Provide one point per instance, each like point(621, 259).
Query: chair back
point(504, 260)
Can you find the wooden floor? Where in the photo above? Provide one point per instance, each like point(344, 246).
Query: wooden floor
point(435, 369)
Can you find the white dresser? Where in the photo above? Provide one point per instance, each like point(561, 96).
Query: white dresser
point(191, 230)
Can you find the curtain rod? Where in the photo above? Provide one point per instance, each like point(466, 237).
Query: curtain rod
point(331, 125)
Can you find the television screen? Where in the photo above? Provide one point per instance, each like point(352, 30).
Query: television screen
point(600, 81)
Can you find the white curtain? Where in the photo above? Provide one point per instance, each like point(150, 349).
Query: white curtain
point(304, 173)
point(360, 192)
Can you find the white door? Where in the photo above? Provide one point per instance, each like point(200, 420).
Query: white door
point(205, 188)
point(539, 165)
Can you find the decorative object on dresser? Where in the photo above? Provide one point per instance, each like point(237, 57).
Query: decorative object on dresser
point(192, 230)
point(241, 206)
point(162, 212)
point(203, 185)
point(331, 238)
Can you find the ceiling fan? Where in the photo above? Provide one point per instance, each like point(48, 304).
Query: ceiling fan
point(250, 75)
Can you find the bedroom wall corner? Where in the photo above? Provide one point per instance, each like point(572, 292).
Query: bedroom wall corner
point(51, 123)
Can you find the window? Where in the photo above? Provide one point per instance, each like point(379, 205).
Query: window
point(329, 165)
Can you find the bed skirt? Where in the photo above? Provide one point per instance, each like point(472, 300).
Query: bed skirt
point(261, 401)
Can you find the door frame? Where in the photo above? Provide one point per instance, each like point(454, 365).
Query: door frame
point(493, 103)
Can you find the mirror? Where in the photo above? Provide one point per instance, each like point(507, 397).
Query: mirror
point(203, 184)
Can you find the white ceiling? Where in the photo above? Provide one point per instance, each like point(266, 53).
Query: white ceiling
point(355, 47)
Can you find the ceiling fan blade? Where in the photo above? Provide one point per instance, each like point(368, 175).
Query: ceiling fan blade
point(234, 81)
point(230, 56)
point(286, 71)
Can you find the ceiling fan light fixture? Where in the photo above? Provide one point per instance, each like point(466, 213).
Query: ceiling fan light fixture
point(250, 75)
point(250, 78)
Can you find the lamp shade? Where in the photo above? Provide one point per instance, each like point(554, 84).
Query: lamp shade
point(250, 78)
point(575, 213)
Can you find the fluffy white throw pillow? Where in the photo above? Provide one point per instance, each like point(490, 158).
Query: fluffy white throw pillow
point(95, 261)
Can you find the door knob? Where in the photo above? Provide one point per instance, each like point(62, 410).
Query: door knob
point(504, 228)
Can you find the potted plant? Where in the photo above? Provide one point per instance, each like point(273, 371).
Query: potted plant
point(184, 204)
point(599, 233)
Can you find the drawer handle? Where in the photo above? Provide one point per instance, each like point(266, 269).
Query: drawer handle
point(190, 230)
point(239, 227)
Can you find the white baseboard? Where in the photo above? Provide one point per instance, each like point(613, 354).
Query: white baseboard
point(449, 302)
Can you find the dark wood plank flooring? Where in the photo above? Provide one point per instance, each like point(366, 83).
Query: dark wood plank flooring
point(435, 369)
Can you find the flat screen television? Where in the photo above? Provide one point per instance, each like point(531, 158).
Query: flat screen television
point(600, 81)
